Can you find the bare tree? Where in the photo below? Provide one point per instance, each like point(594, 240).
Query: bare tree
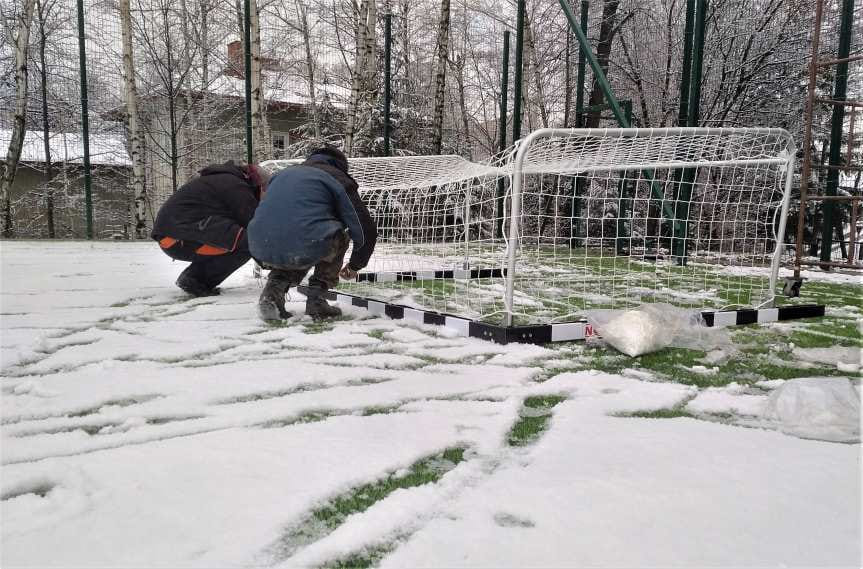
point(310, 65)
point(43, 11)
point(362, 85)
point(262, 137)
point(13, 154)
point(136, 151)
point(440, 75)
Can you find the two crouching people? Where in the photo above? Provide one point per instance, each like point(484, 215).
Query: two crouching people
point(307, 218)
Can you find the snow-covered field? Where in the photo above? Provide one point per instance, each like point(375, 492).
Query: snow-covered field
point(141, 428)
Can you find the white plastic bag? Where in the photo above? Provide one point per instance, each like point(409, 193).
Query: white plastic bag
point(652, 327)
point(823, 408)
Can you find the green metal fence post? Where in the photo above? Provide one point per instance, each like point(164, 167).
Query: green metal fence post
point(579, 95)
point(837, 121)
point(685, 78)
point(247, 41)
point(388, 38)
point(684, 195)
point(598, 74)
point(85, 121)
point(504, 85)
point(519, 48)
point(578, 182)
point(683, 113)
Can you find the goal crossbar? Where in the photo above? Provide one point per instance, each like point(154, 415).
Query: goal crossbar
point(569, 220)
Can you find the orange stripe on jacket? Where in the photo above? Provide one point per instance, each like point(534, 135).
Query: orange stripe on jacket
point(210, 250)
point(167, 242)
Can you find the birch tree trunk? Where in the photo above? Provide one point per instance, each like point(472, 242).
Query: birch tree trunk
point(42, 14)
point(136, 151)
point(13, 154)
point(361, 65)
point(440, 76)
point(310, 66)
point(458, 67)
point(355, 80)
point(263, 143)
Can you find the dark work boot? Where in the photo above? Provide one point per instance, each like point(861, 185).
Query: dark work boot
point(271, 305)
point(193, 286)
point(317, 307)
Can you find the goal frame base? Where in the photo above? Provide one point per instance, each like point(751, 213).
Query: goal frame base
point(558, 332)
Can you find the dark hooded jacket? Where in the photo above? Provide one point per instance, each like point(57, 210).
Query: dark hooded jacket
point(213, 209)
point(304, 206)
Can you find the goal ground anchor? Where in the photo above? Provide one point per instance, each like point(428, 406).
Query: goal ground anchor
point(558, 332)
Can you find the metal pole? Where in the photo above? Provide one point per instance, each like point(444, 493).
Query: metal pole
point(579, 95)
point(594, 65)
point(681, 210)
point(504, 85)
point(783, 219)
point(519, 48)
point(683, 113)
point(388, 27)
point(85, 122)
point(515, 215)
point(247, 36)
point(806, 169)
point(837, 121)
point(578, 182)
point(697, 63)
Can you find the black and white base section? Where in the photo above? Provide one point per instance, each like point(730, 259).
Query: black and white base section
point(563, 332)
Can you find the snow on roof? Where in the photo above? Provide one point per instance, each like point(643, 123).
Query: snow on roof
point(278, 89)
point(105, 150)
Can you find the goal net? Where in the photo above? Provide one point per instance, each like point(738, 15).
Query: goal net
point(578, 219)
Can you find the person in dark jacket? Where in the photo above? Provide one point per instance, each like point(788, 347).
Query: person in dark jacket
point(205, 221)
point(306, 219)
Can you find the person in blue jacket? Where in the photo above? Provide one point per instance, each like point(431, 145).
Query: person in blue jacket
point(306, 219)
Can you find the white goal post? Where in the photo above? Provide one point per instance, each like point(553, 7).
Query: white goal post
point(574, 219)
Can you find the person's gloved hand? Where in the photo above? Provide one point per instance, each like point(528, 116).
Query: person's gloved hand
point(348, 273)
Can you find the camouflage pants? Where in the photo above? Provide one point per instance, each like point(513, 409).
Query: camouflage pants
point(326, 275)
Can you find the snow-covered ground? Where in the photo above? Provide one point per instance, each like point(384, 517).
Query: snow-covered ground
point(141, 428)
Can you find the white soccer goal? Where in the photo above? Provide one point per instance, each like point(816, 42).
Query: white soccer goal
point(574, 219)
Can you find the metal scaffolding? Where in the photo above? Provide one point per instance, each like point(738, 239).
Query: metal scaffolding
point(830, 199)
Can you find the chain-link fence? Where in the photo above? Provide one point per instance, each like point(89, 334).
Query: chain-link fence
point(317, 73)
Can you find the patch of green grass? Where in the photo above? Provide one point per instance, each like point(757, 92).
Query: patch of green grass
point(827, 332)
point(672, 413)
point(369, 557)
point(306, 417)
point(425, 471)
point(323, 520)
point(380, 410)
point(533, 420)
point(378, 333)
point(263, 395)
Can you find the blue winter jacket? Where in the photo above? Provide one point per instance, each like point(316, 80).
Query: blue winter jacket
point(303, 207)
